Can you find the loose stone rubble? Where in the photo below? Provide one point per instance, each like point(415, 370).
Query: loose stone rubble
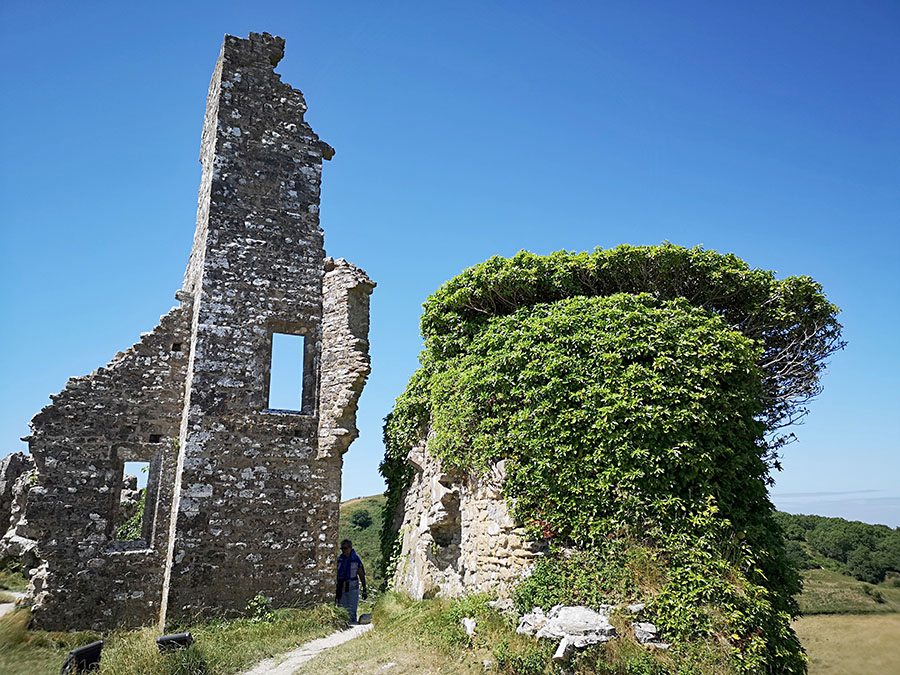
point(241, 499)
point(579, 627)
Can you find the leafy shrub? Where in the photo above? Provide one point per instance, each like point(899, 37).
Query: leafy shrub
point(361, 519)
point(614, 574)
point(259, 609)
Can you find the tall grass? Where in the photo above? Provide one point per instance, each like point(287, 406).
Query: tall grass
point(25, 652)
point(12, 579)
point(221, 647)
point(427, 637)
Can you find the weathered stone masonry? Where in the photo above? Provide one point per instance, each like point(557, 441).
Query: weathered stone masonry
point(457, 533)
point(241, 499)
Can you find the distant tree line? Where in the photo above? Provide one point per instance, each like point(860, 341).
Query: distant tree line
point(867, 552)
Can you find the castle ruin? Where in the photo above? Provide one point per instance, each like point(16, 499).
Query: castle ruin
point(457, 534)
point(240, 499)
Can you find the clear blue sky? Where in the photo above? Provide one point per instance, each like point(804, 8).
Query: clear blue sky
point(463, 130)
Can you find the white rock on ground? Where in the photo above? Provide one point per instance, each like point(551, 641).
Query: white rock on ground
point(580, 627)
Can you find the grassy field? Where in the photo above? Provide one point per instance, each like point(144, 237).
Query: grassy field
point(366, 540)
point(851, 644)
point(827, 592)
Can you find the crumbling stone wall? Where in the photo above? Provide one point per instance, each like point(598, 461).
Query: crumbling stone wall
point(12, 467)
point(241, 499)
point(128, 411)
point(457, 533)
point(17, 545)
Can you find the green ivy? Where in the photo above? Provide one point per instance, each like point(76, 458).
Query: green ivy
point(629, 392)
point(791, 319)
point(130, 530)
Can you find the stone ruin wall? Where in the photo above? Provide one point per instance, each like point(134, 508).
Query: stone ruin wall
point(128, 411)
point(241, 499)
point(17, 544)
point(457, 534)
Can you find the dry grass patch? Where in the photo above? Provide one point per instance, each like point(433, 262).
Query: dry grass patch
point(851, 644)
point(827, 592)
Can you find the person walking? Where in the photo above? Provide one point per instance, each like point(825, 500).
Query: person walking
point(350, 574)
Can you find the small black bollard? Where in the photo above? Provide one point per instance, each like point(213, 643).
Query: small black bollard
point(83, 659)
point(169, 643)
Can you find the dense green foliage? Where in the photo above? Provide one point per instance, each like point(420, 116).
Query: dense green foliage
point(629, 392)
point(647, 406)
point(361, 519)
point(131, 529)
point(866, 552)
point(790, 319)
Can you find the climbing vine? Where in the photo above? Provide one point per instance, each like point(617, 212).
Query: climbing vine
point(130, 530)
point(630, 392)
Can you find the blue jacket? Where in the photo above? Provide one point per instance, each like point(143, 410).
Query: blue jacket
point(348, 567)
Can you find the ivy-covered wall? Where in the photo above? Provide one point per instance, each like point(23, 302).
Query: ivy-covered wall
point(635, 397)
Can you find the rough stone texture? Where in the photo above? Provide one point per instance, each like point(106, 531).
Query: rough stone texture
point(458, 536)
point(241, 499)
point(128, 411)
point(129, 498)
point(17, 545)
point(11, 468)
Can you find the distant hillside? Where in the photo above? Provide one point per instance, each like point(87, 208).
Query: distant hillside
point(366, 538)
point(869, 553)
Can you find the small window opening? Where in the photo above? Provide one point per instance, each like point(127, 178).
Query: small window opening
point(155, 438)
point(176, 346)
point(290, 374)
point(132, 499)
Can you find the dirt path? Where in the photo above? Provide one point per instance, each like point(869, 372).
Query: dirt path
point(286, 664)
point(9, 606)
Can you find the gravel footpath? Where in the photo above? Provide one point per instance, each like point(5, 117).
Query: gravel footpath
point(286, 664)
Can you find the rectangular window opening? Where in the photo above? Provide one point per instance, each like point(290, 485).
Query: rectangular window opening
point(130, 517)
point(291, 381)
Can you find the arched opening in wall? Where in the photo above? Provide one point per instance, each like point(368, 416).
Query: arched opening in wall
point(292, 386)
